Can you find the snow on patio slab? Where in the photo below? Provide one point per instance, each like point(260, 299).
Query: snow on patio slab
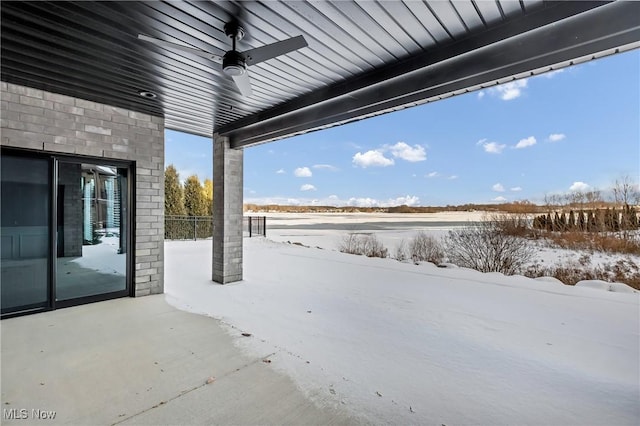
point(406, 344)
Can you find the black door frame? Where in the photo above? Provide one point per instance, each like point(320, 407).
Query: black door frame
point(53, 160)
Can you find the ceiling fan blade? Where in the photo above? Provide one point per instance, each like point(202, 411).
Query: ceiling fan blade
point(212, 56)
point(263, 53)
point(243, 83)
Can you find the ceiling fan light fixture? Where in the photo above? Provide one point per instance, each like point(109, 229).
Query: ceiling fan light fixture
point(233, 63)
point(233, 70)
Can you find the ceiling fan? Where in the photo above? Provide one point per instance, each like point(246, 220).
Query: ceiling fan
point(234, 63)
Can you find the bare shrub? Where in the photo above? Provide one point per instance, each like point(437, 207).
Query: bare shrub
point(623, 271)
point(401, 251)
point(517, 225)
point(360, 244)
point(373, 247)
point(626, 243)
point(351, 244)
point(484, 246)
point(424, 247)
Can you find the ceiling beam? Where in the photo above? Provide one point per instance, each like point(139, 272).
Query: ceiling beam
point(555, 35)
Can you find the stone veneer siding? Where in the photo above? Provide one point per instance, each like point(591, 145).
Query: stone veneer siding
point(49, 122)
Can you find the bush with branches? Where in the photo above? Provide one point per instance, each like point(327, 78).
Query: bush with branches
point(484, 246)
point(363, 244)
point(424, 247)
point(401, 251)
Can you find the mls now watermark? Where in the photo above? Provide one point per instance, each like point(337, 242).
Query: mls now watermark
point(25, 414)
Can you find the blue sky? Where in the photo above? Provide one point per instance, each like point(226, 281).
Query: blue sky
point(578, 128)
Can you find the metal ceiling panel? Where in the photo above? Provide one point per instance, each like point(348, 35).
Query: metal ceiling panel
point(511, 8)
point(489, 11)
point(469, 15)
point(447, 14)
point(363, 58)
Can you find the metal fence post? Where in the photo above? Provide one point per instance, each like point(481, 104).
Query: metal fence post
point(250, 227)
point(195, 235)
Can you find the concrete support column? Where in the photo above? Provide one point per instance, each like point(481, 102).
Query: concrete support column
point(227, 211)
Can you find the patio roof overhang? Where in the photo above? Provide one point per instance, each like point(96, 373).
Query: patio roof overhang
point(363, 58)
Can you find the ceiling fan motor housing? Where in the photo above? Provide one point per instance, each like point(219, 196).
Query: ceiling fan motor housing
point(233, 63)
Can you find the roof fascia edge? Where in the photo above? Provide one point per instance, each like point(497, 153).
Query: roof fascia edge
point(556, 12)
point(470, 72)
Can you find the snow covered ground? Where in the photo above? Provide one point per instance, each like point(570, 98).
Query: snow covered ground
point(415, 344)
point(326, 230)
point(103, 257)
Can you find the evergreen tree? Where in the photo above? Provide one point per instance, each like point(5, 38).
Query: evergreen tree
point(207, 192)
point(615, 220)
point(634, 223)
point(549, 223)
point(194, 201)
point(582, 221)
point(571, 224)
point(592, 221)
point(599, 216)
point(556, 222)
point(563, 222)
point(173, 195)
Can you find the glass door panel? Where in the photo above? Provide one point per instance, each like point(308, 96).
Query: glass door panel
point(91, 243)
point(24, 233)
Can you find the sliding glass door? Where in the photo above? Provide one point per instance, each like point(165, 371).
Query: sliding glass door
point(25, 220)
point(64, 231)
point(91, 256)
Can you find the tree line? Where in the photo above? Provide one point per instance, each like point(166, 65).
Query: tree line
point(597, 220)
point(191, 199)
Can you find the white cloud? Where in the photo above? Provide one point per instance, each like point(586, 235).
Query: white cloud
point(334, 200)
point(579, 186)
point(516, 189)
point(373, 158)
point(499, 199)
point(509, 91)
point(280, 172)
point(553, 73)
point(325, 167)
point(408, 200)
point(481, 94)
point(362, 202)
point(432, 174)
point(498, 187)
point(408, 153)
point(307, 187)
point(491, 147)
point(556, 137)
point(302, 172)
point(523, 143)
point(453, 177)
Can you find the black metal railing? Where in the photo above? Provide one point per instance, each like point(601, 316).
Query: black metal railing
point(201, 227)
point(255, 226)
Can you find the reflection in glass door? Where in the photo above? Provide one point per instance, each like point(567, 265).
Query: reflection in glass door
point(25, 233)
point(91, 230)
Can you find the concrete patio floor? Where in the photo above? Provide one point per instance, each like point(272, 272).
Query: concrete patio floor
point(141, 361)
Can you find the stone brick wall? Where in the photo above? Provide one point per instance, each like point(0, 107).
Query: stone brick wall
point(44, 121)
point(227, 211)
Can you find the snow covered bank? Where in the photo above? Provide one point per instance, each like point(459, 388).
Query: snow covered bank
point(405, 344)
point(327, 230)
